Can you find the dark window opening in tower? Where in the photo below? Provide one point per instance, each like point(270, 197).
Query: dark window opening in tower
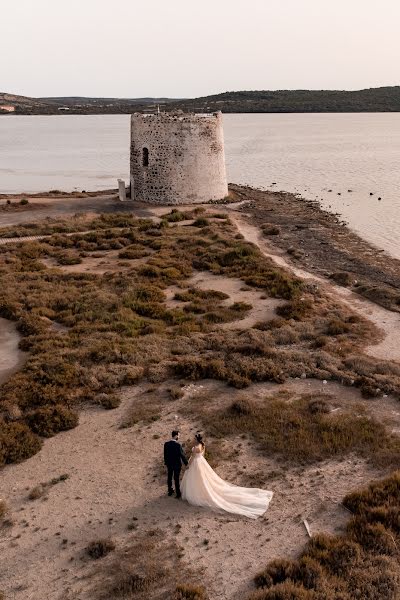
point(145, 157)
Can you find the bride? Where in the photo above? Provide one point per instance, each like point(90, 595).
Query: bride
point(201, 486)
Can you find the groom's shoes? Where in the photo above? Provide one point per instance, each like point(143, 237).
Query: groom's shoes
point(178, 496)
point(171, 493)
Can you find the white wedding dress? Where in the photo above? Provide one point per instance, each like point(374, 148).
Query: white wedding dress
point(201, 486)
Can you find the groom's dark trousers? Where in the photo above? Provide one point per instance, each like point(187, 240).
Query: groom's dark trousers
point(174, 456)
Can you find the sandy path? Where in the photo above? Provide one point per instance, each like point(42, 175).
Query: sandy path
point(387, 321)
point(11, 358)
point(57, 207)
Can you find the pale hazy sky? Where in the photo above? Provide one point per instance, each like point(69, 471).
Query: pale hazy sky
point(186, 48)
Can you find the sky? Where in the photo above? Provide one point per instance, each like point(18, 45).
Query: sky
point(183, 48)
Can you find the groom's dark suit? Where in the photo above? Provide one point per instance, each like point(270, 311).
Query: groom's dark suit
point(174, 456)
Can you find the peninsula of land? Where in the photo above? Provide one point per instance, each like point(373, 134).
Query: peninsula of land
point(262, 321)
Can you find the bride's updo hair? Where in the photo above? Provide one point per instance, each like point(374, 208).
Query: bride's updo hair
point(199, 438)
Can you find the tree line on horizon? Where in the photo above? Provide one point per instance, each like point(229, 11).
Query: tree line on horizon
point(384, 99)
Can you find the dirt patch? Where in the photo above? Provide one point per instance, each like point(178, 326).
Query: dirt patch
point(263, 308)
point(108, 262)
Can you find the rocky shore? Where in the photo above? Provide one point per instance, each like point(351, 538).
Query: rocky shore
point(320, 242)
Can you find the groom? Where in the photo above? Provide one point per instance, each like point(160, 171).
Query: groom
point(174, 456)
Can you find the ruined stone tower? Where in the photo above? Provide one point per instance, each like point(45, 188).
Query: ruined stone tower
point(177, 158)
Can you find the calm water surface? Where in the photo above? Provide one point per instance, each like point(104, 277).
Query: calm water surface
point(307, 154)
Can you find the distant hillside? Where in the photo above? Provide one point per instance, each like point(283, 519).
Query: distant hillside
point(80, 104)
point(23, 101)
point(384, 99)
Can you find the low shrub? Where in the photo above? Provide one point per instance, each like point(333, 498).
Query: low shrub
point(296, 309)
point(382, 494)
point(342, 278)
point(176, 392)
point(337, 327)
point(108, 401)
point(3, 509)
point(201, 222)
point(68, 259)
point(189, 592)
point(193, 294)
point(42, 489)
point(303, 430)
point(100, 548)
point(175, 216)
point(269, 229)
point(17, 442)
point(362, 563)
point(48, 421)
point(133, 252)
point(37, 492)
point(284, 591)
point(144, 412)
point(242, 406)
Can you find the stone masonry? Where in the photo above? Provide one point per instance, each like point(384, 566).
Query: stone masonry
point(177, 158)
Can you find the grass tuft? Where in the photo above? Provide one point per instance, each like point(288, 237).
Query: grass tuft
point(100, 548)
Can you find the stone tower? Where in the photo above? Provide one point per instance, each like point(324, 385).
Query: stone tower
point(177, 158)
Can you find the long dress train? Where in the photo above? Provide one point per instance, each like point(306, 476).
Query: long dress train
point(201, 486)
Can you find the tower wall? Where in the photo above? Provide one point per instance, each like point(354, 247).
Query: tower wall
point(177, 158)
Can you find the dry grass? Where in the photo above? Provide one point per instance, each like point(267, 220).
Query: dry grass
point(144, 412)
point(42, 489)
point(100, 548)
point(364, 563)
point(303, 430)
point(117, 327)
point(149, 567)
point(189, 592)
point(3, 509)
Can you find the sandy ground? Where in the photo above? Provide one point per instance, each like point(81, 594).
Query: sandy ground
point(263, 307)
point(58, 207)
point(116, 474)
point(103, 262)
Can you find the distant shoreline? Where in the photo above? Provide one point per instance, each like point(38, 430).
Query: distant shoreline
point(227, 112)
point(383, 99)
